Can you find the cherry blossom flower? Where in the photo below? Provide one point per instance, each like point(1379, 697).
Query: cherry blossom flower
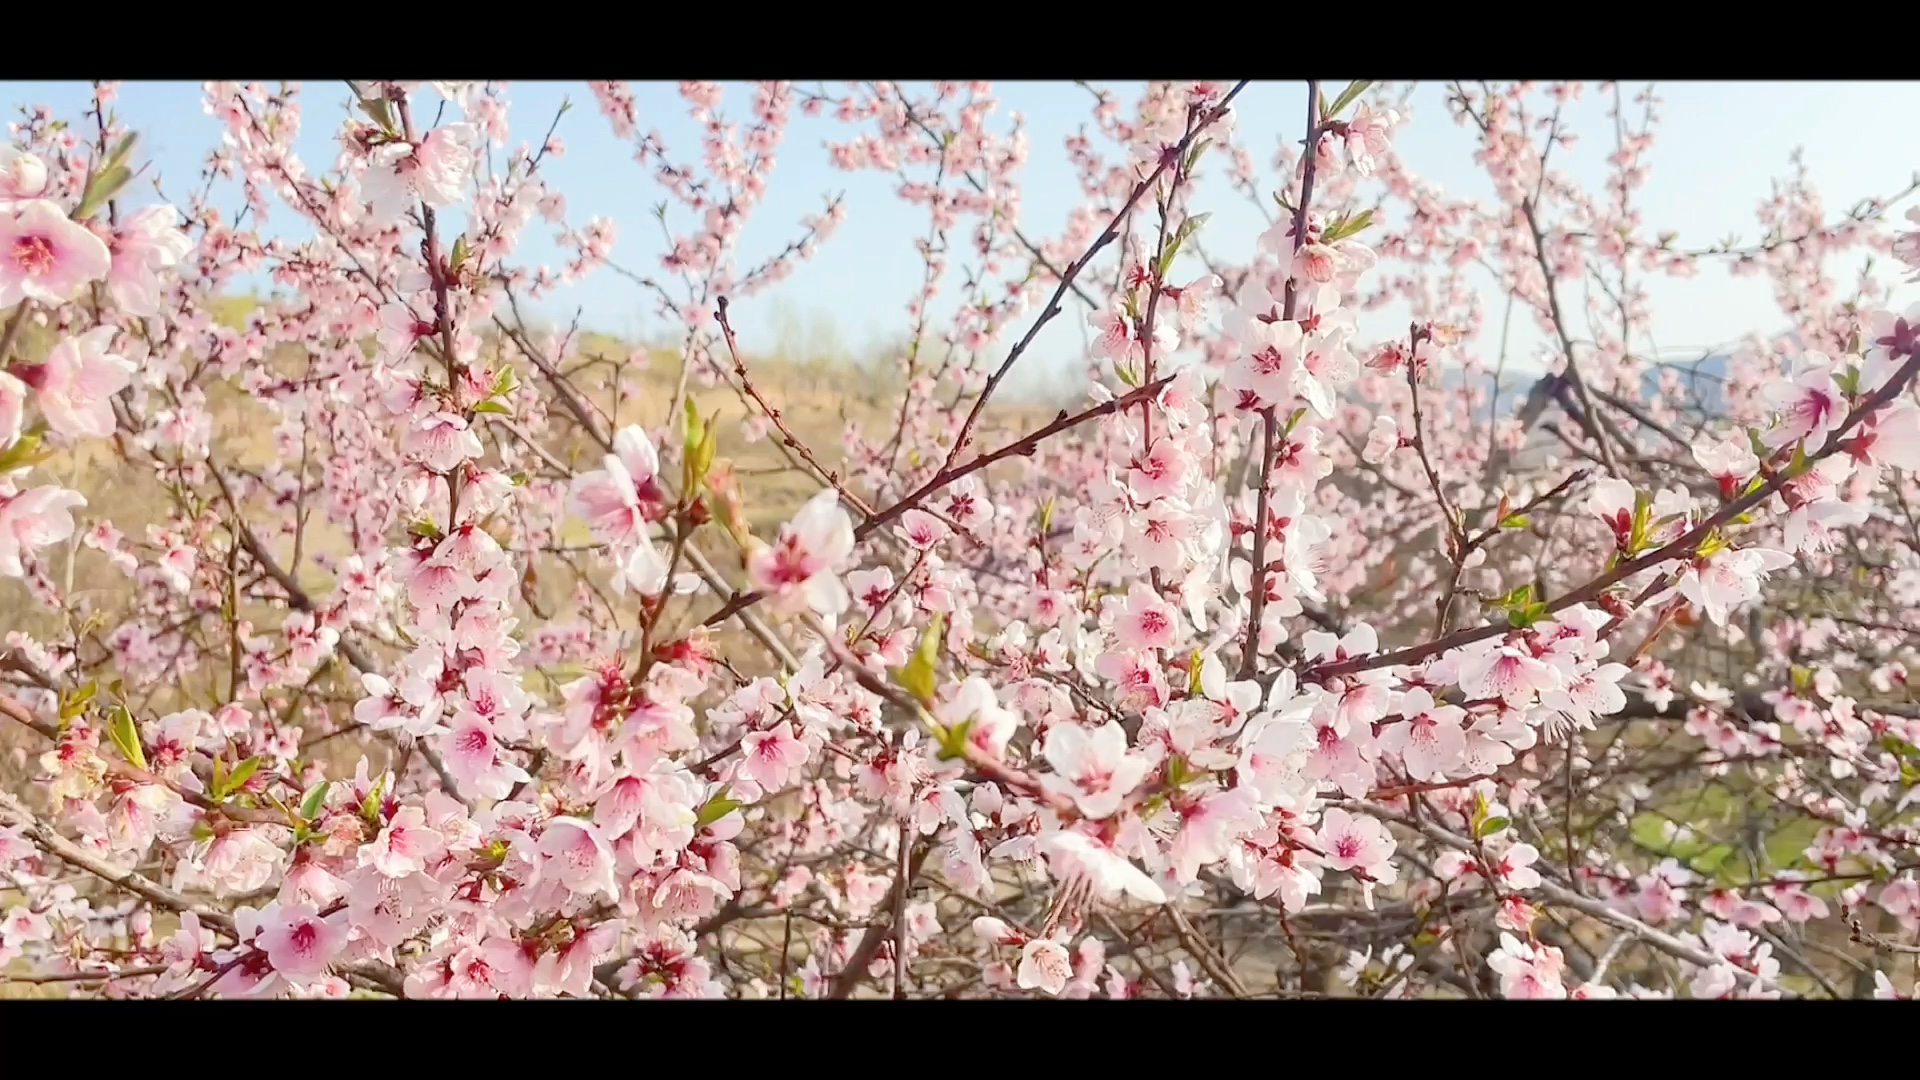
point(144, 246)
point(1528, 972)
point(31, 520)
point(436, 172)
point(299, 943)
point(1092, 766)
point(77, 384)
point(45, 256)
point(801, 568)
point(768, 758)
point(1044, 966)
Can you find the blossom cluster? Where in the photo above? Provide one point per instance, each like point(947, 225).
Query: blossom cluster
point(480, 687)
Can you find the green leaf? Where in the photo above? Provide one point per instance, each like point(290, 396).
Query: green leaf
point(370, 806)
point(1710, 860)
point(459, 256)
point(23, 453)
point(1354, 89)
point(492, 407)
point(121, 729)
point(237, 779)
point(714, 809)
point(1346, 226)
point(1489, 827)
point(1193, 155)
point(1849, 381)
point(1046, 514)
point(506, 382)
point(1799, 465)
point(1179, 773)
point(122, 150)
point(1642, 520)
point(102, 187)
point(315, 798)
point(701, 460)
point(75, 702)
point(953, 740)
point(1522, 608)
point(918, 677)
point(1515, 521)
point(1193, 674)
point(1187, 229)
point(690, 426)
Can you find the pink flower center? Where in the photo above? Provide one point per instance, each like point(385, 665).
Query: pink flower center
point(302, 938)
point(34, 254)
point(1268, 361)
point(1347, 847)
point(790, 564)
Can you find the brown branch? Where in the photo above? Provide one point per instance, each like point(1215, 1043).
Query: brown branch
point(1269, 418)
point(1680, 547)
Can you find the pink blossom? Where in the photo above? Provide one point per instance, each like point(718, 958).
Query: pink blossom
point(404, 846)
point(579, 858)
point(145, 245)
point(299, 943)
point(768, 758)
point(1092, 766)
point(45, 256)
point(31, 520)
point(435, 172)
point(801, 568)
point(77, 384)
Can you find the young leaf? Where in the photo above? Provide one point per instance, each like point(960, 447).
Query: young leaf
point(492, 407)
point(102, 188)
point(370, 806)
point(953, 740)
point(1488, 827)
point(76, 701)
point(700, 459)
point(714, 809)
point(315, 798)
point(237, 779)
point(125, 735)
point(918, 677)
point(23, 453)
point(1354, 89)
point(1347, 226)
point(122, 150)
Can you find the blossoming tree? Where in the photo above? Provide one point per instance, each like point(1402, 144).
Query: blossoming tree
point(1287, 662)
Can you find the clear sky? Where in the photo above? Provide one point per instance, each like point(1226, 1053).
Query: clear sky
point(1717, 149)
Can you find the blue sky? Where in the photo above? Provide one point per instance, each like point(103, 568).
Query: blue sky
point(1718, 147)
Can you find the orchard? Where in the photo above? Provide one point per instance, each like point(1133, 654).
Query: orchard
point(376, 637)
